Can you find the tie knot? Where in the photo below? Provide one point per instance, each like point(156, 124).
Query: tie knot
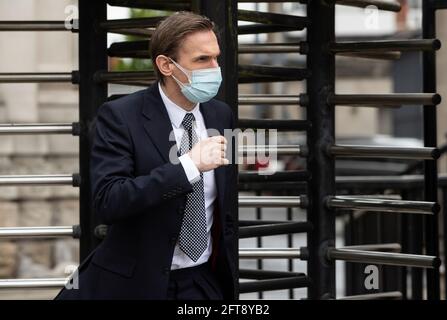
point(187, 121)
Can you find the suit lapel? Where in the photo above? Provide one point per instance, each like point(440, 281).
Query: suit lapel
point(156, 122)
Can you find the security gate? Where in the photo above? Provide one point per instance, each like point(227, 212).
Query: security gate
point(315, 188)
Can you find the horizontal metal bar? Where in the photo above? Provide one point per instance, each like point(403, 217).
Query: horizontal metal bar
point(394, 99)
point(37, 25)
point(38, 232)
point(269, 253)
point(250, 99)
point(116, 76)
point(385, 5)
point(40, 128)
point(299, 23)
point(247, 74)
point(274, 284)
point(165, 5)
point(381, 55)
point(247, 223)
point(280, 125)
point(383, 205)
point(244, 287)
point(389, 247)
point(140, 49)
point(266, 274)
point(140, 32)
point(274, 229)
point(356, 151)
point(380, 182)
point(387, 45)
point(42, 283)
point(281, 99)
point(393, 295)
point(373, 55)
point(263, 28)
point(265, 150)
point(271, 48)
point(269, 201)
point(290, 186)
point(404, 182)
point(388, 196)
point(383, 258)
point(264, 73)
point(56, 179)
point(149, 22)
point(292, 175)
point(32, 77)
point(130, 49)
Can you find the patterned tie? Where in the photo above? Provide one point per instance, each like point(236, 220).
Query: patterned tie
point(193, 238)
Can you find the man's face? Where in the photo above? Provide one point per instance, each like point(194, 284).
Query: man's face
point(199, 50)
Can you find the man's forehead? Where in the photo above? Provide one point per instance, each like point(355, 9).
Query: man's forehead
point(201, 43)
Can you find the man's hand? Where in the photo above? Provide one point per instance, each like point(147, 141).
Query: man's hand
point(209, 153)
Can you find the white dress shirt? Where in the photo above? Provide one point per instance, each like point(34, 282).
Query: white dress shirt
point(176, 115)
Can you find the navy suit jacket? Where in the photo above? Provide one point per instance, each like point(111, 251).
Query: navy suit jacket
point(141, 195)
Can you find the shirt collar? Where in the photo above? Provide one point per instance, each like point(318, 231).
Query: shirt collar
point(175, 112)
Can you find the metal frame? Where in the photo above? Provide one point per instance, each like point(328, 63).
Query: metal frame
point(320, 137)
point(430, 140)
point(92, 58)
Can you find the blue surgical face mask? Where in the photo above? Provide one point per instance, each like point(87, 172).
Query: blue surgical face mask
point(203, 83)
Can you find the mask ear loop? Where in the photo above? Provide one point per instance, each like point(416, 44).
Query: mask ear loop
point(185, 72)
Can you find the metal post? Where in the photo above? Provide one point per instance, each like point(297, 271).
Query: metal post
point(430, 140)
point(320, 136)
point(444, 217)
point(92, 57)
point(290, 245)
point(259, 262)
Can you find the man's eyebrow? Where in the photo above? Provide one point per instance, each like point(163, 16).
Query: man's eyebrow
point(205, 56)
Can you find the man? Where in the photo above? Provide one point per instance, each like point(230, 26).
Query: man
point(161, 182)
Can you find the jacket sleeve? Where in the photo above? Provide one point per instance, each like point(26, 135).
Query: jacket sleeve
point(117, 194)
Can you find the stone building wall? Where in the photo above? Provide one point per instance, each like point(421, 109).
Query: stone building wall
point(27, 206)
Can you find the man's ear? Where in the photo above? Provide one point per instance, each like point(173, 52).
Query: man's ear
point(164, 65)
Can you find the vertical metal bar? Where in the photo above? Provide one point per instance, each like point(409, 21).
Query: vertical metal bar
point(404, 244)
point(321, 64)
point(350, 239)
point(259, 244)
point(92, 57)
point(379, 219)
point(430, 140)
point(416, 273)
point(444, 210)
point(290, 245)
point(415, 239)
point(224, 14)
